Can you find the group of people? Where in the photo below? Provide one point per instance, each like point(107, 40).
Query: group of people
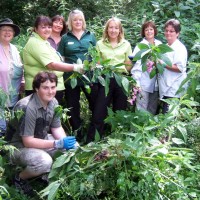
point(49, 59)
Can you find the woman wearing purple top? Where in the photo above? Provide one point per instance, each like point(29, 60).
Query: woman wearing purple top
point(58, 29)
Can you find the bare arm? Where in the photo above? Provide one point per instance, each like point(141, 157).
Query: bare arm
point(58, 133)
point(128, 65)
point(173, 68)
point(31, 142)
point(59, 66)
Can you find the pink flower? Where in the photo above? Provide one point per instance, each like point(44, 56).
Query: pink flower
point(150, 65)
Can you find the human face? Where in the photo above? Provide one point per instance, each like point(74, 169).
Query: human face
point(170, 34)
point(6, 33)
point(46, 92)
point(57, 26)
point(149, 33)
point(44, 31)
point(113, 30)
point(77, 22)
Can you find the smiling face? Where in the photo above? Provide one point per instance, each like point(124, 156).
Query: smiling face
point(77, 22)
point(6, 34)
point(149, 33)
point(57, 26)
point(113, 30)
point(170, 34)
point(44, 31)
point(46, 92)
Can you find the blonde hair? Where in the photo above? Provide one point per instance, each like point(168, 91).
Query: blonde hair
point(121, 30)
point(71, 17)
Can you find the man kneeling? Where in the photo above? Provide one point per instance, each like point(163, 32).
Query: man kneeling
point(39, 133)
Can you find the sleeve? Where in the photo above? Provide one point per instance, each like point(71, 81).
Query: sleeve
point(180, 58)
point(128, 52)
point(61, 45)
point(43, 54)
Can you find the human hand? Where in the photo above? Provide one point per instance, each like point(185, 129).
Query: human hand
point(66, 143)
point(78, 68)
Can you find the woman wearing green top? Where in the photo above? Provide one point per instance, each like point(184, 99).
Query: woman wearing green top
point(74, 46)
point(115, 48)
point(39, 55)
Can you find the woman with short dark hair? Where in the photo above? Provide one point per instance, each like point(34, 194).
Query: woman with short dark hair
point(172, 77)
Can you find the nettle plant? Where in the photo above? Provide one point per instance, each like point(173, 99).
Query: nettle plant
point(98, 70)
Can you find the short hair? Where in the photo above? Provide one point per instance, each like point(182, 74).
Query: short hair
point(175, 24)
point(44, 20)
point(43, 76)
point(71, 17)
point(60, 18)
point(121, 30)
point(146, 25)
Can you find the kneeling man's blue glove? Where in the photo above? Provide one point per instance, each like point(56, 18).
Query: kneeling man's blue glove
point(66, 143)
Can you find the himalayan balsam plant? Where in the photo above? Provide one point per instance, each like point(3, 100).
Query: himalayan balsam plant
point(153, 58)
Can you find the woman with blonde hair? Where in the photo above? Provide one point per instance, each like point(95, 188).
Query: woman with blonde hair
point(73, 47)
point(116, 49)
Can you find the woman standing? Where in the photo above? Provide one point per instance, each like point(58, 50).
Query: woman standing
point(39, 55)
point(59, 28)
point(147, 99)
point(115, 48)
point(172, 77)
point(73, 47)
point(11, 68)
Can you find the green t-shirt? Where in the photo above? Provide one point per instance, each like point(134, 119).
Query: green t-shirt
point(118, 54)
point(37, 54)
point(73, 49)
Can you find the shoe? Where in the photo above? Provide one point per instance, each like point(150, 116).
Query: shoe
point(23, 186)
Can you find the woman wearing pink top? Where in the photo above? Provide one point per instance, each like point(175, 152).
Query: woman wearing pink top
point(11, 68)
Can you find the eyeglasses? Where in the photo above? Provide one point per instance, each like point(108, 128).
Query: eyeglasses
point(6, 30)
point(167, 31)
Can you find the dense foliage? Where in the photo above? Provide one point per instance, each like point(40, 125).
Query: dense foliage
point(145, 157)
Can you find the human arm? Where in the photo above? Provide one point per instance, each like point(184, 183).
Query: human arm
point(173, 68)
point(65, 67)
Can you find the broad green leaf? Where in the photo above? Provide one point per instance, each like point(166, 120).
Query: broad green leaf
point(61, 160)
point(163, 48)
point(153, 73)
point(102, 80)
point(177, 141)
point(177, 13)
point(143, 46)
point(118, 79)
point(53, 191)
point(183, 131)
point(139, 54)
point(73, 83)
point(160, 68)
point(165, 59)
point(88, 89)
point(53, 186)
point(125, 84)
point(86, 78)
point(107, 84)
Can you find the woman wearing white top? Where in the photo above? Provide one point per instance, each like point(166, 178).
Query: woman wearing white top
point(172, 77)
point(148, 96)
